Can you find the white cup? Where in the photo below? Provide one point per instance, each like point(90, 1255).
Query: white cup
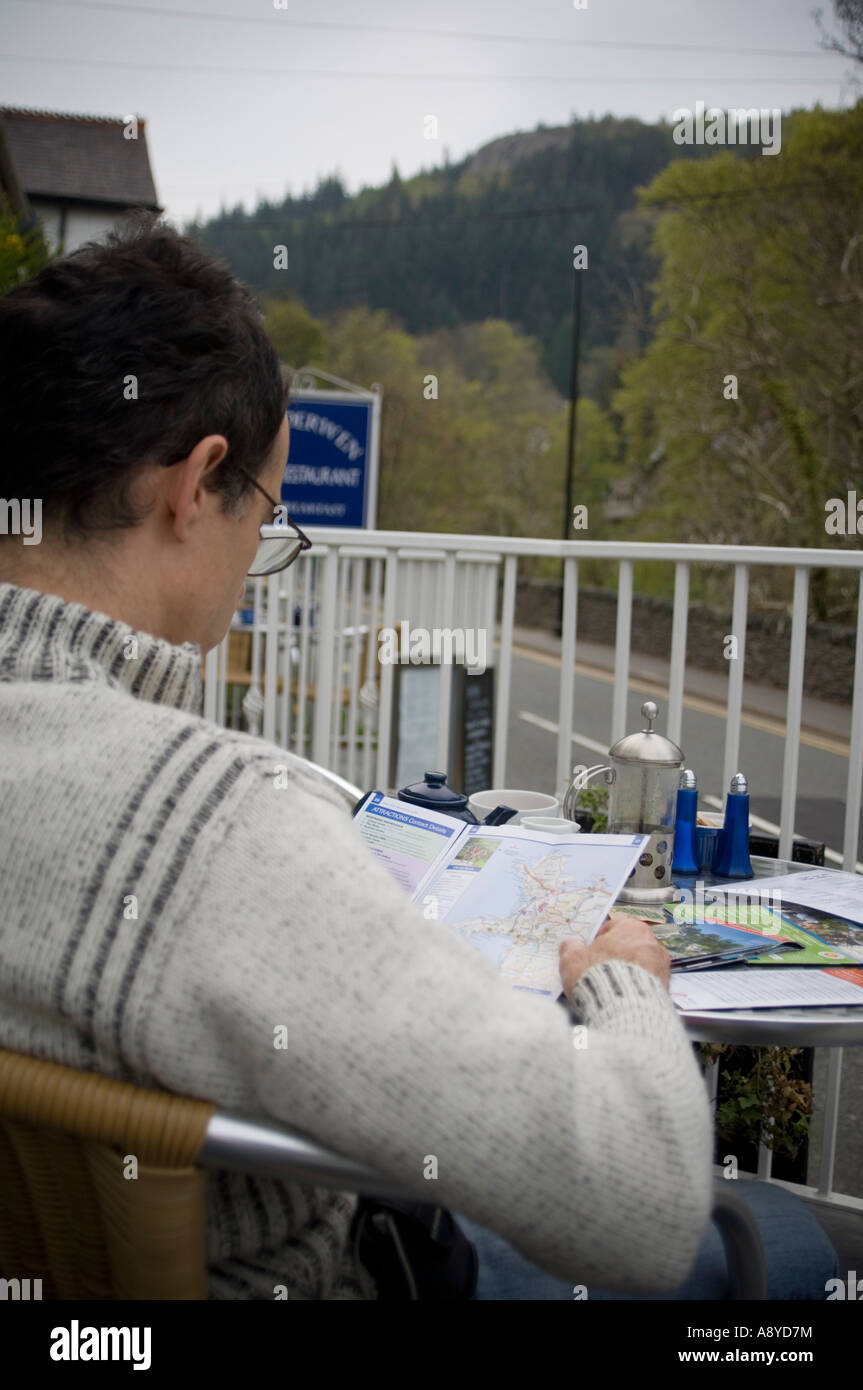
point(523, 803)
point(551, 825)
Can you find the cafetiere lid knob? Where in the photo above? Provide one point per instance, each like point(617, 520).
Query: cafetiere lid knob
point(647, 746)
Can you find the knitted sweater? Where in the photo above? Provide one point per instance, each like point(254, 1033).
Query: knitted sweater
point(169, 904)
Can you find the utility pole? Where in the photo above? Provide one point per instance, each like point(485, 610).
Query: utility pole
point(573, 399)
point(575, 355)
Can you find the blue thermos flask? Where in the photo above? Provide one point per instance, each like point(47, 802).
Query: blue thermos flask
point(685, 847)
point(732, 860)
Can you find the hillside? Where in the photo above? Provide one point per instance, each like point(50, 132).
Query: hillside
point(489, 237)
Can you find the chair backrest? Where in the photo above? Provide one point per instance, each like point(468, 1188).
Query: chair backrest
point(103, 1182)
point(100, 1195)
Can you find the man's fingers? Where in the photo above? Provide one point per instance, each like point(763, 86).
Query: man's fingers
point(622, 919)
point(571, 946)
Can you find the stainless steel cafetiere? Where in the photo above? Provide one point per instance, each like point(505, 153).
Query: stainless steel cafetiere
point(643, 776)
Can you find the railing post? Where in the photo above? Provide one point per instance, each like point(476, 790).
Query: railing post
point(253, 702)
point(211, 671)
point(287, 661)
point(271, 668)
point(358, 575)
point(794, 709)
point(504, 671)
point(222, 680)
point(621, 650)
point(735, 677)
point(372, 692)
point(677, 669)
point(386, 705)
point(324, 711)
point(341, 606)
point(855, 752)
point(569, 623)
point(446, 669)
point(306, 590)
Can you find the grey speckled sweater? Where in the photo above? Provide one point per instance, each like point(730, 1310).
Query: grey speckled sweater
point(258, 906)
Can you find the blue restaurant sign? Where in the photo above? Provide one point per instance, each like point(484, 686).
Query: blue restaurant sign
point(331, 474)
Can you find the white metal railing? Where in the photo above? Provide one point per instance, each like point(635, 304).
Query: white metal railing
point(314, 684)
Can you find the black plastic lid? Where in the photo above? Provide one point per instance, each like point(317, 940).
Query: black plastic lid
point(434, 792)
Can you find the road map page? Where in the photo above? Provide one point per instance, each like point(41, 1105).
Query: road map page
point(515, 894)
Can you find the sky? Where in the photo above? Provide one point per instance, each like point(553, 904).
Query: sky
point(258, 98)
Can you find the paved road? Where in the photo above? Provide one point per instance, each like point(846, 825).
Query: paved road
point(533, 746)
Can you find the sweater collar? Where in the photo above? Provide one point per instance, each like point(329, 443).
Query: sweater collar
point(44, 638)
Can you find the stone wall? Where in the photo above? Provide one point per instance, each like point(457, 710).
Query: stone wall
point(829, 671)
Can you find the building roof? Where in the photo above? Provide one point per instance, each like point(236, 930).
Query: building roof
point(85, 158)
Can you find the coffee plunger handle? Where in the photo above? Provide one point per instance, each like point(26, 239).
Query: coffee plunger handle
point(580, 779)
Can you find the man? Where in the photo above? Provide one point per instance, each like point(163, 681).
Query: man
point(169, 911)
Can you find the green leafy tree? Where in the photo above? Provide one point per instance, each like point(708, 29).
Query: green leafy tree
point(849, 15)
point(490, 237)
point(299, 338)
point(22, 250)
point(416, 441)
point(745, 414)
point(472, 430)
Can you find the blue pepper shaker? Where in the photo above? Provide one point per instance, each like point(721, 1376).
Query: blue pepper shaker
point(685, 849)
point(733, 858)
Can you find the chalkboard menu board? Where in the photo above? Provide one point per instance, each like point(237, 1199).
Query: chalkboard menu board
point(473, 730)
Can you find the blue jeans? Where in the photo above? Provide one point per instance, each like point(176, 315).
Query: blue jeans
point(798, 1255)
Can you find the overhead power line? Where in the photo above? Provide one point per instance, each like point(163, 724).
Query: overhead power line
point(343, 75)
point(287, 23)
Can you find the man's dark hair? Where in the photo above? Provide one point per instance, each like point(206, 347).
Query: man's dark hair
point(147, 304)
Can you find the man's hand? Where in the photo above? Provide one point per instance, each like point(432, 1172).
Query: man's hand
point(621, 938)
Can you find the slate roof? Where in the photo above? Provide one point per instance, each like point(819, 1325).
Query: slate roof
point(84, 158)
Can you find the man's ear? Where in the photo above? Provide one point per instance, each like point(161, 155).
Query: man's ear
point(185, 494)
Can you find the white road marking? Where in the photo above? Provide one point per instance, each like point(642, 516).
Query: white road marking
point(552, 728)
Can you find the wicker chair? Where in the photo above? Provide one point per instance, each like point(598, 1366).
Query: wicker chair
point(73, 1216)
point(103, 1183)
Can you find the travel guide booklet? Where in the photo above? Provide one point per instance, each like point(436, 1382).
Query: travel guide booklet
point(831, 934)
point(791, 936)
point(688, 933)
point(514, 894)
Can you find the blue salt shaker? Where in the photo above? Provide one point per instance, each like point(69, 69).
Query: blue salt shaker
point(733, 858)
point(685, 849)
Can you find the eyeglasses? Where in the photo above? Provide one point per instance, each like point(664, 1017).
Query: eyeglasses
point(276, 552)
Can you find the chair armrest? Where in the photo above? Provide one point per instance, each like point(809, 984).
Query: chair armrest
point(747, 1271)
point(246, 1146)
point(351, 793)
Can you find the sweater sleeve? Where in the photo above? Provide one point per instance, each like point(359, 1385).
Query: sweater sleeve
point(589, 1151)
